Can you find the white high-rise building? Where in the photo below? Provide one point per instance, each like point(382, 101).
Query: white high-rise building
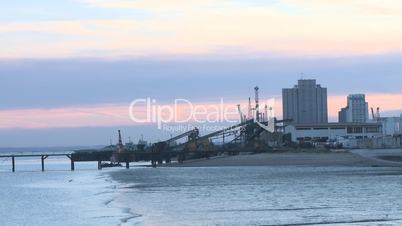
point(356, 110)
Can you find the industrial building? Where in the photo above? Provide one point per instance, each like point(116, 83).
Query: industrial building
point(391, 126)
point(305, 120)
point(356, 109)
point(305, 103)
point(331, 131)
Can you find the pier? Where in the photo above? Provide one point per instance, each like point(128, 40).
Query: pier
point(244, 138)
point(154, 158)
point(74, 157)
point(42, 156)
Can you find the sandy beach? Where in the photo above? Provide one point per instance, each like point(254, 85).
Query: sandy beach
point(362, 158)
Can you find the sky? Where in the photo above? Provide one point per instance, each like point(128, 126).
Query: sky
point(70, 68)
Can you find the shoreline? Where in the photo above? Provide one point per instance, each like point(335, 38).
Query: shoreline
point(353, 158)
point(265, 186)
point(145, 191)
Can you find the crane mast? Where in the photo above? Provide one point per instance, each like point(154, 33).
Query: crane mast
point(249, 115)
point(257, 104)
point(377, 114)
point(120, 145)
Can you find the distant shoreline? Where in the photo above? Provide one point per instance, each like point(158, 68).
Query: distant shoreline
point(361, 158)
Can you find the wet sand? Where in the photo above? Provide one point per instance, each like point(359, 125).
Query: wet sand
point(362, 158)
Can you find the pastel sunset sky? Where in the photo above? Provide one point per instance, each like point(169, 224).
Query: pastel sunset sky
point(70, 68)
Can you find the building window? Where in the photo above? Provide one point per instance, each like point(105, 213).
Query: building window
point(301, 128)
point(372, 130)
point(338, 128)
point(304, 138)
point(358, 130)
point(352, 129)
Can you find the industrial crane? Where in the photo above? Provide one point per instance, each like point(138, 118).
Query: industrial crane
point(376, 116)
point(249, 113)
point(120, 146)
point(257, 104)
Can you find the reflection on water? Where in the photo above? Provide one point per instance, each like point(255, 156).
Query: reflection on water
point(262, 195)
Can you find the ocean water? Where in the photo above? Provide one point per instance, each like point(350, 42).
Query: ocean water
point(57, 196)
point(262, 196)
point(198, 196)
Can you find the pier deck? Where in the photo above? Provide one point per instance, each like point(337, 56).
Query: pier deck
point(106, 156)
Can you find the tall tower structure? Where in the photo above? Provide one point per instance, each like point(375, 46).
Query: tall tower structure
point(305, 103)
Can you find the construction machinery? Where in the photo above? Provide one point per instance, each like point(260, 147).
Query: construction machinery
point(242, 137)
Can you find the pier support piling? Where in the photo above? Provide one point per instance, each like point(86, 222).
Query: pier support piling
point(13, 163)
point(43, 157)
point(99, 165)
point(127, 165)
point(72, 162)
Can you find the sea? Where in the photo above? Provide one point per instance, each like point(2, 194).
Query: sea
point(143, 195)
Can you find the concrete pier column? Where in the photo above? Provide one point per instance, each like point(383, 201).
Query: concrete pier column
point(43, 162)
point(99, 165)
point(43, 157)
point(13, 163)
point(72, 162)
point(127, 165)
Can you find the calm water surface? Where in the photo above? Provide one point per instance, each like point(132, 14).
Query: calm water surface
point(262, 196)
point(198, 196)
point(56, 196)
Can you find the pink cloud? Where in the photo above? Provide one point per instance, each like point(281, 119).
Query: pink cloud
point(118, 114)
point(95, 116)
